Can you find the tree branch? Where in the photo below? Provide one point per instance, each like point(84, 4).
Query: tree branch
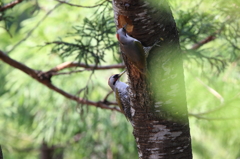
point(90, 67)
point(212, 91)
point(45, 79)
point(204, 41)
point(10, 5)
point(207, 39)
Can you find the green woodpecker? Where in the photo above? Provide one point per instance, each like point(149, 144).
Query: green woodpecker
point(135, 52)
point(121, 93)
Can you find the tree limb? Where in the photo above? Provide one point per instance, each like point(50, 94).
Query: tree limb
point(10, 5)
point(204, 41)
point(90, 67)
point(45, 79)
point(207, 39)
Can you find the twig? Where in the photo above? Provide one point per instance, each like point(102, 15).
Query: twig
point(66, 73)
point(61, 42)
point(91, 67)
point(45, 79)
point(105, 99)
point(204, 41)
point(211, 90)
point(10, 5)
point(75, 5)
point(207, 39)
point(31, 31)
point(8, 33)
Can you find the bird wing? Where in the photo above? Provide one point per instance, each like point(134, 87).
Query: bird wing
point(141, 58)
point(118, 99)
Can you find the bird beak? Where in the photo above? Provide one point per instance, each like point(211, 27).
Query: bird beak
point(122, 73)
point(125, 26)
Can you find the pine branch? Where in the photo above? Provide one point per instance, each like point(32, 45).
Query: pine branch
point(45, 79)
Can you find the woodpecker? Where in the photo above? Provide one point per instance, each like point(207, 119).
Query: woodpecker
point(121, 93)
point(133, 49)
point(135, 52)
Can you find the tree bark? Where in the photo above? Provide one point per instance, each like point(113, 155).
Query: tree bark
point(158, 100)
point(1, 154)
point(46, 152)
point(50, 152)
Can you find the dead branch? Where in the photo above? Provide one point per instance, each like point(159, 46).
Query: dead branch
point(45, 79)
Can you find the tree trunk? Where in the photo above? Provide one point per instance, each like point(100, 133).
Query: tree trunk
point(46, 152)
point(1, 154)
point(50, 152)
point(158, 100)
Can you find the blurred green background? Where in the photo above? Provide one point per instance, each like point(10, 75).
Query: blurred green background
point(31, 113)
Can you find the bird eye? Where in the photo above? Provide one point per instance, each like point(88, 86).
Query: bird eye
point(115, 76)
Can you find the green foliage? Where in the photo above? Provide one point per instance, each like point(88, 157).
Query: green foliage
point(211, 75)
point(31, 113)
point(92, 39)
point(198, 24)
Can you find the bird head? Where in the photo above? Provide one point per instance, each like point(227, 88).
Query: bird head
point(122, 34)
point(114, 79)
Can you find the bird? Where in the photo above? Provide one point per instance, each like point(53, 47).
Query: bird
point(121, 93)
point(132, 48)
point(135, 52)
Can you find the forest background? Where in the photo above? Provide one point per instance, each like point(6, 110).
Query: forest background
point(33, 116)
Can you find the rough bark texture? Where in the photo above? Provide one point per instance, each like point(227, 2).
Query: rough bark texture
point(158, 101)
